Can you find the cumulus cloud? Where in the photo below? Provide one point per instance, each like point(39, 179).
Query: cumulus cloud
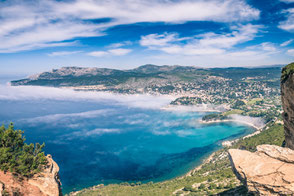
point(27, 25)
point(205, 44)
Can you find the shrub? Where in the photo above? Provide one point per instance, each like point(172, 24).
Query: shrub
point(188, 188)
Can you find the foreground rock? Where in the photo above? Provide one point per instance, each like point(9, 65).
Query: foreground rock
point(46, 183)
point(287, 93)
point(269, 171)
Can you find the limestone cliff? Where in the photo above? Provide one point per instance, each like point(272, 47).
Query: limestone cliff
point(46, 183)
point(269, 171)
point(287, 93)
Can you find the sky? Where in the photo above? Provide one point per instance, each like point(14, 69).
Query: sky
point(39, 35)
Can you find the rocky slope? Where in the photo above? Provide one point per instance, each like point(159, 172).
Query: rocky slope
point(46, 183)
point(268, 171)
point(287, 92)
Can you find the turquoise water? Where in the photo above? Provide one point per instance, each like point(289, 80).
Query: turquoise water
point(106, 141)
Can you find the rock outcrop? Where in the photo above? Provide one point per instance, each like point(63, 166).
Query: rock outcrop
point(287, 93)
point(269, 171)
point(46, 183)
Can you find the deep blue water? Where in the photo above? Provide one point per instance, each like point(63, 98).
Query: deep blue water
point(97, 142)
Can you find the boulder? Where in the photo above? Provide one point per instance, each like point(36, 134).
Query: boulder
point(268, 171)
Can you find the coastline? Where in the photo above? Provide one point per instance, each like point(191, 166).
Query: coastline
point(225, 143)
point(210, 156)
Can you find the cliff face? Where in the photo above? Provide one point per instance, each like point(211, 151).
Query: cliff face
point(269, 171)
point(287, 93)
point(46, 183)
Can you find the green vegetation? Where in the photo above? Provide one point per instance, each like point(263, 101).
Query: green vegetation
point(238, 103)
point(18, 157)
point(274, 135)
point(230, 112)
point(254, 101)
point(210, 117)
point(287, 71)
point(214, 177)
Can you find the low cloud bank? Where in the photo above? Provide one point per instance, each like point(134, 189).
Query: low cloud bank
point(253, 121)
point(36, 92)
point(197, 108)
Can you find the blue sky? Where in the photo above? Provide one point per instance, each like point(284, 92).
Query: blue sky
point(40, 35)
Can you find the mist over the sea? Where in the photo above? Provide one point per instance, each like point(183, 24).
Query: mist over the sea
point(98, 137)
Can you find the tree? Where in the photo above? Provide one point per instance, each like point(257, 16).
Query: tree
point(17, 156)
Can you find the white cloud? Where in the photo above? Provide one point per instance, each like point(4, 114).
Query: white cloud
point(98, 53)
point(119, 51)
point(118, 45)
point(158, 40)
point(255, 121)
point(115, 52)
point(63, 53)
point(290, 52)
point(126, 11)
point(205, 44)
point(26, 25)
point(286, 43)
point(38, 92)
point(247, 53)
point(267, 46)
point(288, 25)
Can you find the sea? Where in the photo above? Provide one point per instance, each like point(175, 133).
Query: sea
point(102, 138)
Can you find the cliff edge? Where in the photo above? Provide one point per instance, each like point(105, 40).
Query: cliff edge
point(46, 183)
point(270, 170)
point(287, 93)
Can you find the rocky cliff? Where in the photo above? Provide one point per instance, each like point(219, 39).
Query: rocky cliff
point(287, 93)
point(46, 183)
point(268, 171)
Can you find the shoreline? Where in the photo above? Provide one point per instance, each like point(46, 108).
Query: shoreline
point(225, 143)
